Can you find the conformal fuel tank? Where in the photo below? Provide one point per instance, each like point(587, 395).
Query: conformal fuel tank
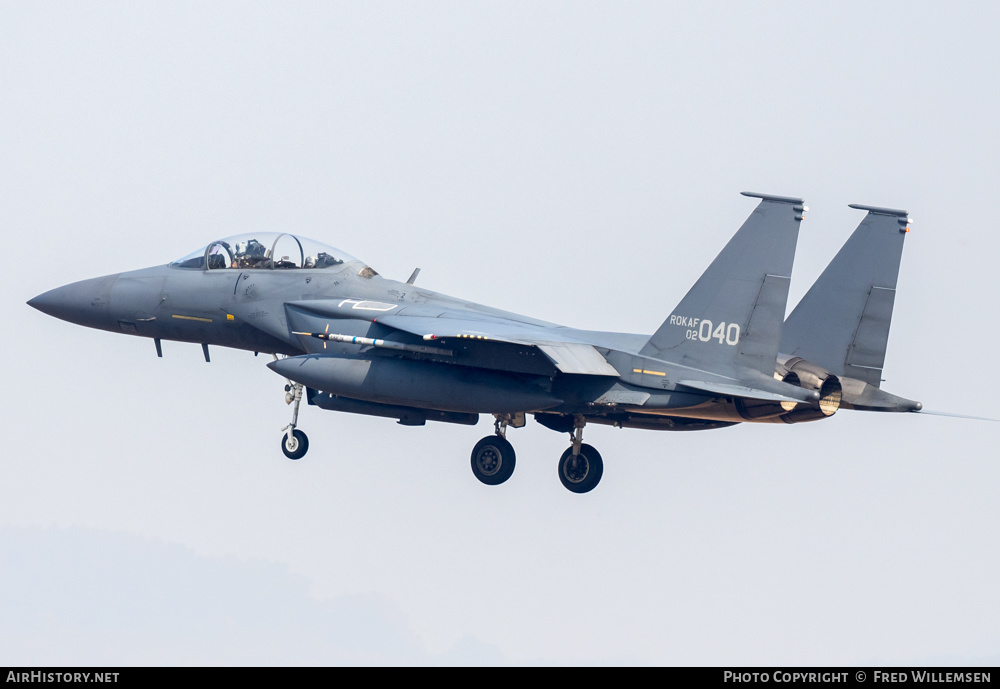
point(446, 387)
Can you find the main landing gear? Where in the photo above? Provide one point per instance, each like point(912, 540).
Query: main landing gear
point(493, 457)
point(581, 466)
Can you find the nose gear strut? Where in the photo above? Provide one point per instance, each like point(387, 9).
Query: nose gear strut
point(294, 443)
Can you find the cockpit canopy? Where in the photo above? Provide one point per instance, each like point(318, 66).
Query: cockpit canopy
point(264, 251)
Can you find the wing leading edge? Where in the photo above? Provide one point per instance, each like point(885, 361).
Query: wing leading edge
point(567, 355)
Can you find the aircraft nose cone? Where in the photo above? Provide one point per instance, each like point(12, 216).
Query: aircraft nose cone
point(83, 303)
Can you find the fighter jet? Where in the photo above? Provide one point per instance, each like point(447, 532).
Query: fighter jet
point(348, 339)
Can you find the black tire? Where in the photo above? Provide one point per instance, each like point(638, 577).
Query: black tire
point(583, 474)
point(493, 460)
point(297, 448)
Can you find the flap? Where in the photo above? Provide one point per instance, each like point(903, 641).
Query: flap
point(577, 358)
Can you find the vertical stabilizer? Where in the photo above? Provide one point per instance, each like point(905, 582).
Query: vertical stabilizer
point(842, 323)
point(731, 319)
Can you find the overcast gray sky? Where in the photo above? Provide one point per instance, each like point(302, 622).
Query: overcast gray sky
point(579, 162)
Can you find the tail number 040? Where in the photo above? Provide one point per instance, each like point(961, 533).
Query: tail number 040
point(725, 333)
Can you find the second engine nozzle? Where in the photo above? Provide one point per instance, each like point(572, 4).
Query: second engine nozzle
point(804, 374)
point(808, 375)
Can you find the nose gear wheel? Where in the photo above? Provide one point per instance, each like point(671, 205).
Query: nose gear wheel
point(295, 445)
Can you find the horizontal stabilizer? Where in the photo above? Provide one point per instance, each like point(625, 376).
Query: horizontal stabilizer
point(857, 394)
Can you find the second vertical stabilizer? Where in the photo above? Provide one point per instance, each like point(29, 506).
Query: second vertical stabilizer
point(842, 323)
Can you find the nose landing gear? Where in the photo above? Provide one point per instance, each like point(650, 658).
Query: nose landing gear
point(294, 443)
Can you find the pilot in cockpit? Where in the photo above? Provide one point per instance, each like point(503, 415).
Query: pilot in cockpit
point(250, 254)
point(217, 256)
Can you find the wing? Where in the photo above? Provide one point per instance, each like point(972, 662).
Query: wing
point(438, 325)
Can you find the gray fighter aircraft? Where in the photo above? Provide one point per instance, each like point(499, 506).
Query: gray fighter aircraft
point(348, 339)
